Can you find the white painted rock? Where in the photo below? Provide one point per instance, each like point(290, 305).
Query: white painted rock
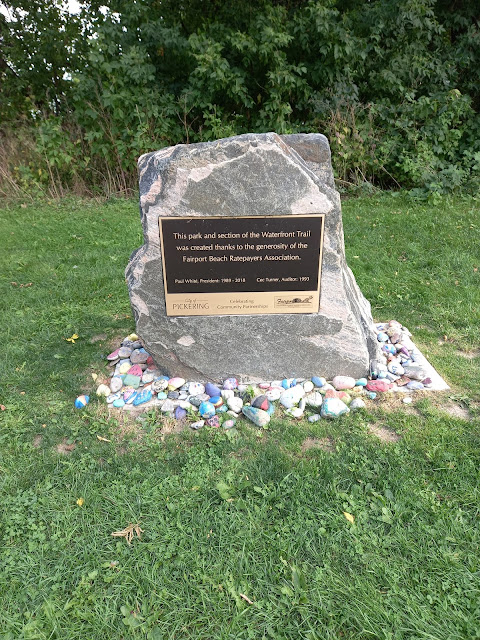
point(235, 404)
point(343, 382)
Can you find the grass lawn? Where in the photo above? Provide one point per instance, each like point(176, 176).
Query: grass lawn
point(244, 533)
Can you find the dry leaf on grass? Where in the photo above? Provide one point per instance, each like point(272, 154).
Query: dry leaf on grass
point(102, 439)
point(349, 517)
point(246, 598)
point(128, 532)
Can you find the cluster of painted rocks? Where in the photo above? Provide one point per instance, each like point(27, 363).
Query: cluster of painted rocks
point(135, 381)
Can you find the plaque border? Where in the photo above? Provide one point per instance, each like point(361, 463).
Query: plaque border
point(219, 295)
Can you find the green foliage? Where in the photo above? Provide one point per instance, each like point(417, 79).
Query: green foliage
point(394, 85)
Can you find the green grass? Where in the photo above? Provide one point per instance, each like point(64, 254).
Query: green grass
point(248, 512)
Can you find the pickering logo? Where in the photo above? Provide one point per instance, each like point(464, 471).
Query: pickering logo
point(191, 305)
point(293, 302)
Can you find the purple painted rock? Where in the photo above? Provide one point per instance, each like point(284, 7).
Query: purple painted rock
point(415, 385)
point(343, 382)
point(136, 370)
point(214, 421)
point(180, 414)
point(261, 402)
point(427, 382)
point(142, 396)
point(230, 383)
point(212, 390)
point(113, 355)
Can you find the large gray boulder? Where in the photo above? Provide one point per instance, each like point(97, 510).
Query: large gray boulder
point(262, 175)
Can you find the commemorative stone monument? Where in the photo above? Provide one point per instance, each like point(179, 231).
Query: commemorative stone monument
point(243, 271)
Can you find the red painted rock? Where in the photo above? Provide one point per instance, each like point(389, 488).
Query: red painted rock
point(150, 362)
point(378, 385)
point(136, 370)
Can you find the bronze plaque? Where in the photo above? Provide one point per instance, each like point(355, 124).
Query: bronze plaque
point(244, 265)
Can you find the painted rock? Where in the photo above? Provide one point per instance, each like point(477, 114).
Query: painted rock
point(314, 418)
point(161, 395)
point(273, 393)
point(196, 388)
point(124, 367)
point(378, 385)
point(357, 403)
point(287, 383)
point(217, 401)
point(230, 384)
point(180, 413)
point(197, 425)
point(261, 402)
point(382, 337)
point(318, 381)
point(139, 356)
point(326, 387)
point(119, 403)
point(427, 382)
point(150, 361)
point(147, 377)
point(257, 416)
point(401, 382)
point(314, 399)
point(142, 396)
point(333, 408)
point(116, 383)
point(113, 356)
point(127, 392)
point(214, 421)
point(372, 395)
point(227, 393)
point(124, 352)
point(130, 398)
point(396, 368)
point(264, 386)
point(175, 383)
point(207, 410)
point(308, 386)
point(135, 370)
point(271, 409)
point(291, 396)
point(212, 390)
point(132, 381)
point(361, 382)
point(415, 385)
point(173, 395)
point(343, 382)
point(160, 384)
point(295, 412)
point(222, 409)
point(415, 373)
point(112, 397)
point(168, 406)
point(229, 424)
point(103, 390)
point(235, 404)
point(389, 348)
point(81, 401)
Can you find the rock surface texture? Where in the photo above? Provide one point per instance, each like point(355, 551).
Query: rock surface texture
point(261, 175)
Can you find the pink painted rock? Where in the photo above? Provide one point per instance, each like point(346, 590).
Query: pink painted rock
point(113, 355)
point(343, 382)
point(136, 370)
point(378, 385)
point(340, 395)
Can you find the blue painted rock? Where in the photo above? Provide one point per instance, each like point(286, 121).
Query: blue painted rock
point(222, 409)
point(395, 367)
point(82, 401)
point(372, 395)
point(113, 356)
point(130, 398)
point(229, 424)
point(343, 382)
point(112, 397)
point(230, 383)
point(116, 383)
point(119, 403)
point(175, 383)
point(135, 370)
point(212, 390)
point(333, 408)
point(389, 348)
point(207, 410)
point(197, 425)
point(142, 396)
point(235, 404)
point(162, 395)
point(289, 382)
point(271, 409)
point(261, 402)
point(257, 416)
point(361, 382)
point(132, 381)
point(180, 413)
point(173, 395)
point(382, 337)
point(217, 401)
point(415, 385)
point(314, 418)
point(318, 381)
